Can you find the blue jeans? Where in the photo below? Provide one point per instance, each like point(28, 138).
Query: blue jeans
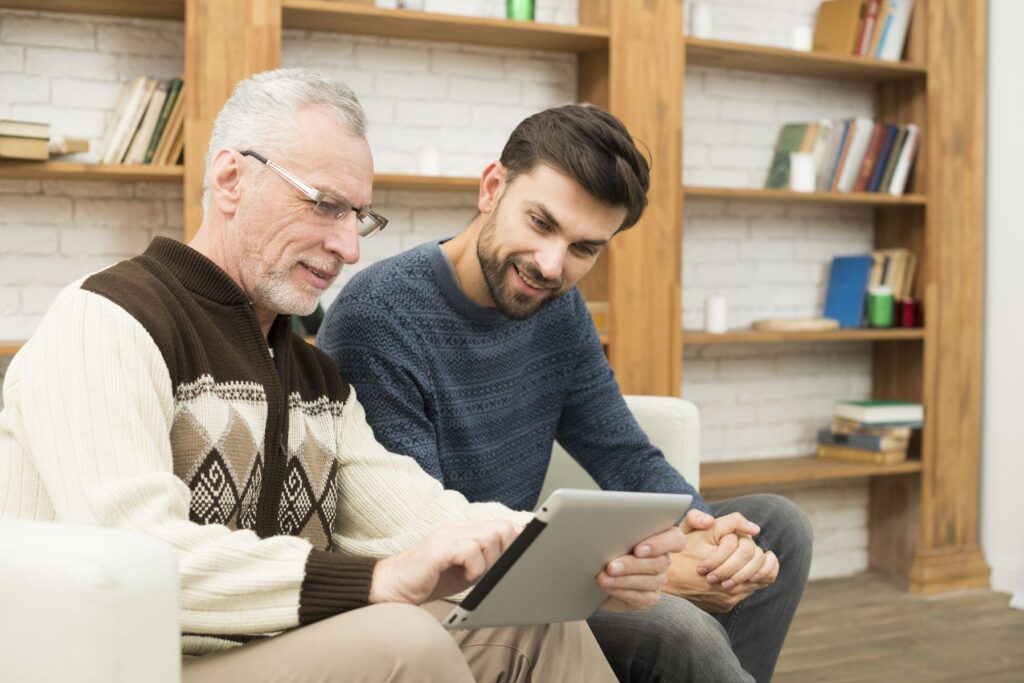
point(677, 641)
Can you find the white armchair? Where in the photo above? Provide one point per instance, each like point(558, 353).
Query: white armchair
point(87, 605)
point(672, 424)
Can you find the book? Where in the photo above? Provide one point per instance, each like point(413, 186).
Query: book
point(891, 46)
point(173, 129)
point(885, 12)
point(835, 30)
point(905, 161)
point(819, 152)
point(891, 132)
point(864, 126)
point(841, 425)
point(867, 442)
point(841, 151)
point(867, 29)
point(30, 149)
point(140, 142)
point(874, 151)
point(847, 286)
point(125, 119)
point(791, 139)
point(880, 412)
point(890, 163)
point(829, 452)
point(24, 129)
point(173, 88)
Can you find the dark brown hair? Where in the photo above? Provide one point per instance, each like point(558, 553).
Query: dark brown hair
point(590, 146)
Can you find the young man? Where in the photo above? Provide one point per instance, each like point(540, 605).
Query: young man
point(474, 354)
point(167, 395)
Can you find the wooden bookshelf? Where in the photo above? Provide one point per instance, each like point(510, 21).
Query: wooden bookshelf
point(757, 337)
point(65, 170)
point(138, 9)
point(770, 472)
point(877, 199)
point(327, 15)
point(392, 181)
point(728, 55)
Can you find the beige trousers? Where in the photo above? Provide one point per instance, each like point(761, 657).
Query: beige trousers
point(402, 643)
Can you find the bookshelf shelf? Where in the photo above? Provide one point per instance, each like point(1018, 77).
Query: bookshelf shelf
point(721, 475)
point(325, 15)
point(729, 55)
point(386, 181)
point(150, 9)
point(757, 337)
point(66, 170)
point(878, 199)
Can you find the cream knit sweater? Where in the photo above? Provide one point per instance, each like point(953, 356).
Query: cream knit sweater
point(85, 439)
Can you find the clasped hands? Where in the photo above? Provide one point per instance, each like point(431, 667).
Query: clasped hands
point(455, 556)
point(721, 564)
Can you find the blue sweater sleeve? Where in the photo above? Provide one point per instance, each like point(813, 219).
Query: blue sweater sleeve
point(378, 356)
point(599, 431)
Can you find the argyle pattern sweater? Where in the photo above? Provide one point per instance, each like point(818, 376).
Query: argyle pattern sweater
point(478, 399)
point(149, 400)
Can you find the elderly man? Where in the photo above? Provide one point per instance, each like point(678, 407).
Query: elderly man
point(167, 395)
point(473, 355)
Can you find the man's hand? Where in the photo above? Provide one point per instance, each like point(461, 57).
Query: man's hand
point(444, 563)
point(723, 551)
point(635, 581)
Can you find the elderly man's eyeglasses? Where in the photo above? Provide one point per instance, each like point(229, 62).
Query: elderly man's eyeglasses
point(324, 205)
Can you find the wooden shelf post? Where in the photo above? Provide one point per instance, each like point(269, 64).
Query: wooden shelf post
point(225, 42)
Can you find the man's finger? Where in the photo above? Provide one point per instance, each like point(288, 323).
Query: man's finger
point(726, 547)
point(668, 541)
point(694, 520)
point(734, 523)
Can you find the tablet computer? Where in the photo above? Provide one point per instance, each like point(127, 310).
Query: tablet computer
point(549, 572)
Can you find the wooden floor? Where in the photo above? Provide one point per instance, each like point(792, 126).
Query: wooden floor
point(866, 628)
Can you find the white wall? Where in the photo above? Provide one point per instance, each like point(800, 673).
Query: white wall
point(1002, 535)
point(769, 260)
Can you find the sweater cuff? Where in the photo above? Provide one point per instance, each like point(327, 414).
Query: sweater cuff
point(334, 584)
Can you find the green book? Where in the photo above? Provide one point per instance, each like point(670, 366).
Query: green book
point(791, 138)
point(881, 412)
point(173, 88)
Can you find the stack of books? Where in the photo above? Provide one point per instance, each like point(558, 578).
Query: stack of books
point(850, 155)
point(25, 140)
point(147, 126)
point(875, 432)
point(863, 28)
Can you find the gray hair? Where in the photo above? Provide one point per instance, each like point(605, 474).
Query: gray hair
point(260, 112)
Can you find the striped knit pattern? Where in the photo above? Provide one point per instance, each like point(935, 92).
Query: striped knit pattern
point(478, 399)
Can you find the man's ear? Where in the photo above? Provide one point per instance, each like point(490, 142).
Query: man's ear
point(224, 179)
point(492, 186)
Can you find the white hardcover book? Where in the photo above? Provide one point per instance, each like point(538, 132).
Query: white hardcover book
point(135, 107)
point(906, 160)
point(862, 128)
point(140, 143)
point(891, 48)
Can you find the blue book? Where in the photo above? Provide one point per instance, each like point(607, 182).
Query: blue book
point(847, 287)
point(891, 131)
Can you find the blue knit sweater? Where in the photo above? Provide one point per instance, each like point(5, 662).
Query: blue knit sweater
point(478, 399)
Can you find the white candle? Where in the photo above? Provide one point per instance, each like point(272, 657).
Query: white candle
point(715, 314)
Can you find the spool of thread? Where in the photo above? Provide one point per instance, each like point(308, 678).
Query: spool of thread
point(716, 310)
point(908, 312)
point(519, 10)
point(802, 177)
point(700, 19)
point(880, 306)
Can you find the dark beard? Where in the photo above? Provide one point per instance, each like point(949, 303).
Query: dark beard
point(511, 303)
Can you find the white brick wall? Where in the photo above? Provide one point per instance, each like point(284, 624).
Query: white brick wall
point(461, 102)
point(769, 261)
